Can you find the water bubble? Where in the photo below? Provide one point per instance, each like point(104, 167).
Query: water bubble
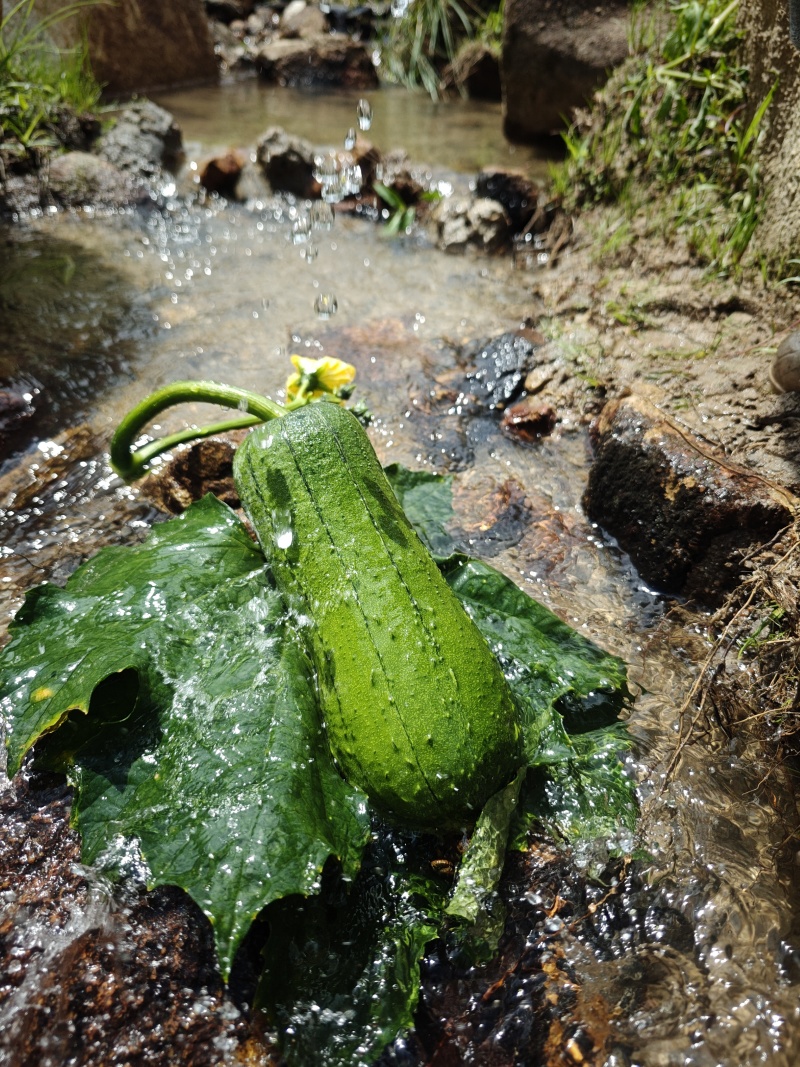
point(322, 215)
point(301, 230)
point(326, 305)
point(364, 113)
point(350, 139)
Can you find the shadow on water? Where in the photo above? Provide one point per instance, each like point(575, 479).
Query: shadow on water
point(71, 326)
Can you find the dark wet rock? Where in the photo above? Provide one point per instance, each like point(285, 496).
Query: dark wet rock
point(74, 131)
point(685, 514)
point(23, 192)
point(358, 22)
point(204, 467)
point(78, 178)
point(94, 980)
point(302, 20)
point(287, 162)
point(496, 368)
point(476, 70)
point(17, 407)
point(54, 513)
point(527, 1005)
point(514, 190)
point(22, 485)
point(228, 10)
point(144, 140)
point(499, 514)
point(528, 420)
point(221, 174)
point(325, 60)
point(555, 54)
point(465, 222)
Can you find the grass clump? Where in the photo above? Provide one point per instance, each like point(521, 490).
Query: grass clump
point(39, 81)
point(424, 37)
point(671, 127)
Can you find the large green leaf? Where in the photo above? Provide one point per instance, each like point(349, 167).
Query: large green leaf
point(203, 748)
point(341, 979)
point(563, 682)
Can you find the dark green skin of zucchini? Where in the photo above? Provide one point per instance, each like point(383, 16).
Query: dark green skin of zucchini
point(418, 712)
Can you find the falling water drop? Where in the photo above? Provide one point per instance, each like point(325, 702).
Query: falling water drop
point(310, 253)
point(301, 230)
point(350, 139)
point(326, 305)
point(364, 112)
point(353, 179)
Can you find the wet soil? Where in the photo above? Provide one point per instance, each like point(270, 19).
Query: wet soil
point(647, 318)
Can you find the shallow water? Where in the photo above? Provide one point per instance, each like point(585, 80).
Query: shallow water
point(460, 135)
point(202, 289)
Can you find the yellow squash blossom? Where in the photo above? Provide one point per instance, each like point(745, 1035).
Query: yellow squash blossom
point(313, 377)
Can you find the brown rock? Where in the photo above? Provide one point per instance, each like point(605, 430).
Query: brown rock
point(528, 420)
point(685, 514)
point(555, 54)
point(221, 174)
point(318, 61)
point(287, 162)
point(139, 45)
point(303, 21)
point(205, 467)
point(80, 178)
point(463, 223)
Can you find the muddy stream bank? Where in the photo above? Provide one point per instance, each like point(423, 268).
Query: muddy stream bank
point(683, 953)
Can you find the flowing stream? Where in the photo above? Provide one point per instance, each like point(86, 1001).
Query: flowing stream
point(101, 310)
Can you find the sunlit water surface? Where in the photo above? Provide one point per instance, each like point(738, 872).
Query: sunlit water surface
point(127, 303)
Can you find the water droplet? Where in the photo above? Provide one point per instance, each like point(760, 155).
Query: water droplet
point(322, 215)
point(301, 230)
point(364, 113)
point(311, 253)
point(326, 167)
point(399, 8)
point(353, 179)
point(326, 305)
point(350, 139)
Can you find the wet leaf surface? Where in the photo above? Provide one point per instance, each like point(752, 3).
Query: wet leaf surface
point(202, 762)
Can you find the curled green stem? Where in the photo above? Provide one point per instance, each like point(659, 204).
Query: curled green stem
point(130, 464)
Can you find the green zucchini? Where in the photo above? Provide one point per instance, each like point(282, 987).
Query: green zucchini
point(418, 712)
